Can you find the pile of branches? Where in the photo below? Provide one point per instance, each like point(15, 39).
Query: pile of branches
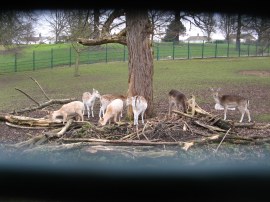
point(195, 127)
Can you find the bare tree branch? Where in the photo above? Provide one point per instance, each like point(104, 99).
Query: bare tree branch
point(117, 38)
point(40, 88)
point(27, 96)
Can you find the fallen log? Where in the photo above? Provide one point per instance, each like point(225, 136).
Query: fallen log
point(29, 121)
point(43, 105)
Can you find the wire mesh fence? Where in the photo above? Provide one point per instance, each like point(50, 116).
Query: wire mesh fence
point(56, 57)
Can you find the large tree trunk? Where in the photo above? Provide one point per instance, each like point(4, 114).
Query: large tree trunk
point(140, 80)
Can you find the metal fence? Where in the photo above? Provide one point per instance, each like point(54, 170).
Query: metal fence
point(35, 60)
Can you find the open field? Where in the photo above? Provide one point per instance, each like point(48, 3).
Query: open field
point(193, 77)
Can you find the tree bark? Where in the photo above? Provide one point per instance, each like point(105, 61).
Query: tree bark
point(140, 79)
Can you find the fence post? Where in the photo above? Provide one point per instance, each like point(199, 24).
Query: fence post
point(106, 54)
point(203, 49)
point(34, 62)
point(268, 49)
point(124, 53)
point(188, 51)
point(15, 63)
point(239, 50)
point(157, 51)
point(262, 48)
point(173, 49)
point(256, 48)
point(248, 49)
point(216, 50)
point(228, 49)
point(52, 58)
point(70, 56)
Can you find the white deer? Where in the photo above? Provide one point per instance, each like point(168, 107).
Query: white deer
point(114, 109)
point(107, 99)
point(74, 108)
point(139, 106)
point(89, 101)
point(232, 101)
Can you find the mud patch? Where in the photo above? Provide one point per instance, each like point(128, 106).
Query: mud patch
point(262, 73)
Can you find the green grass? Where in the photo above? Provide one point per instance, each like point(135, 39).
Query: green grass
point(190, 76)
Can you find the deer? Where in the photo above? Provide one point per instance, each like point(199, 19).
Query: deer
point(177, 99)
point(105, 100)
point(114, 109)
point(232, 101)
point(74, 108)
point(139, 106)
point(89, 101)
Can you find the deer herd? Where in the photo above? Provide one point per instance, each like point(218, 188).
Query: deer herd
point(112, 106)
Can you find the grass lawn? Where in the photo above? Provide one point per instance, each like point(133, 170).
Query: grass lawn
point(192, 77)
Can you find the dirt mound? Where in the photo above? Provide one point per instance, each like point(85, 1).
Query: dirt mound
point(261, 73)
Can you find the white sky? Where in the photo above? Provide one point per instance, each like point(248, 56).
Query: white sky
point(194, 31)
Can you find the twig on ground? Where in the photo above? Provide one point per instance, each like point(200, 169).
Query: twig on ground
point(222, 140)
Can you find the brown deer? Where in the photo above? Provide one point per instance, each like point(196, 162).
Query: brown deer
point(177, 99)
point(232, 101)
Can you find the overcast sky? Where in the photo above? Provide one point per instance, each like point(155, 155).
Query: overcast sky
point(42, 27)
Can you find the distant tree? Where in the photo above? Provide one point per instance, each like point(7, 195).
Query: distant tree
point(227, 24)
point(78, 24)
point(15, 26)
point(206, 22)
point(57, 20)
point(159, 20)
point(260, 26)
point(175, 28)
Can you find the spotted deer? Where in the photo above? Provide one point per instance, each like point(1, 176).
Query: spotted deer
point(232, 101)
point(139, 106)
point(178, 100)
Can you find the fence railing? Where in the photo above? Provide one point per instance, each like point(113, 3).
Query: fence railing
point(35, 60)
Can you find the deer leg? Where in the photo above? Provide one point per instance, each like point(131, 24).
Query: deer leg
point(92, 110)
point(247, 111)
point(170, 108)
point(88, 113)
point(242, 110)
point(135, 118)
point(225, 111)
point(85, 108)
point(142, 117)
point(81, 115)
point(184, 107)
point(64, 118)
